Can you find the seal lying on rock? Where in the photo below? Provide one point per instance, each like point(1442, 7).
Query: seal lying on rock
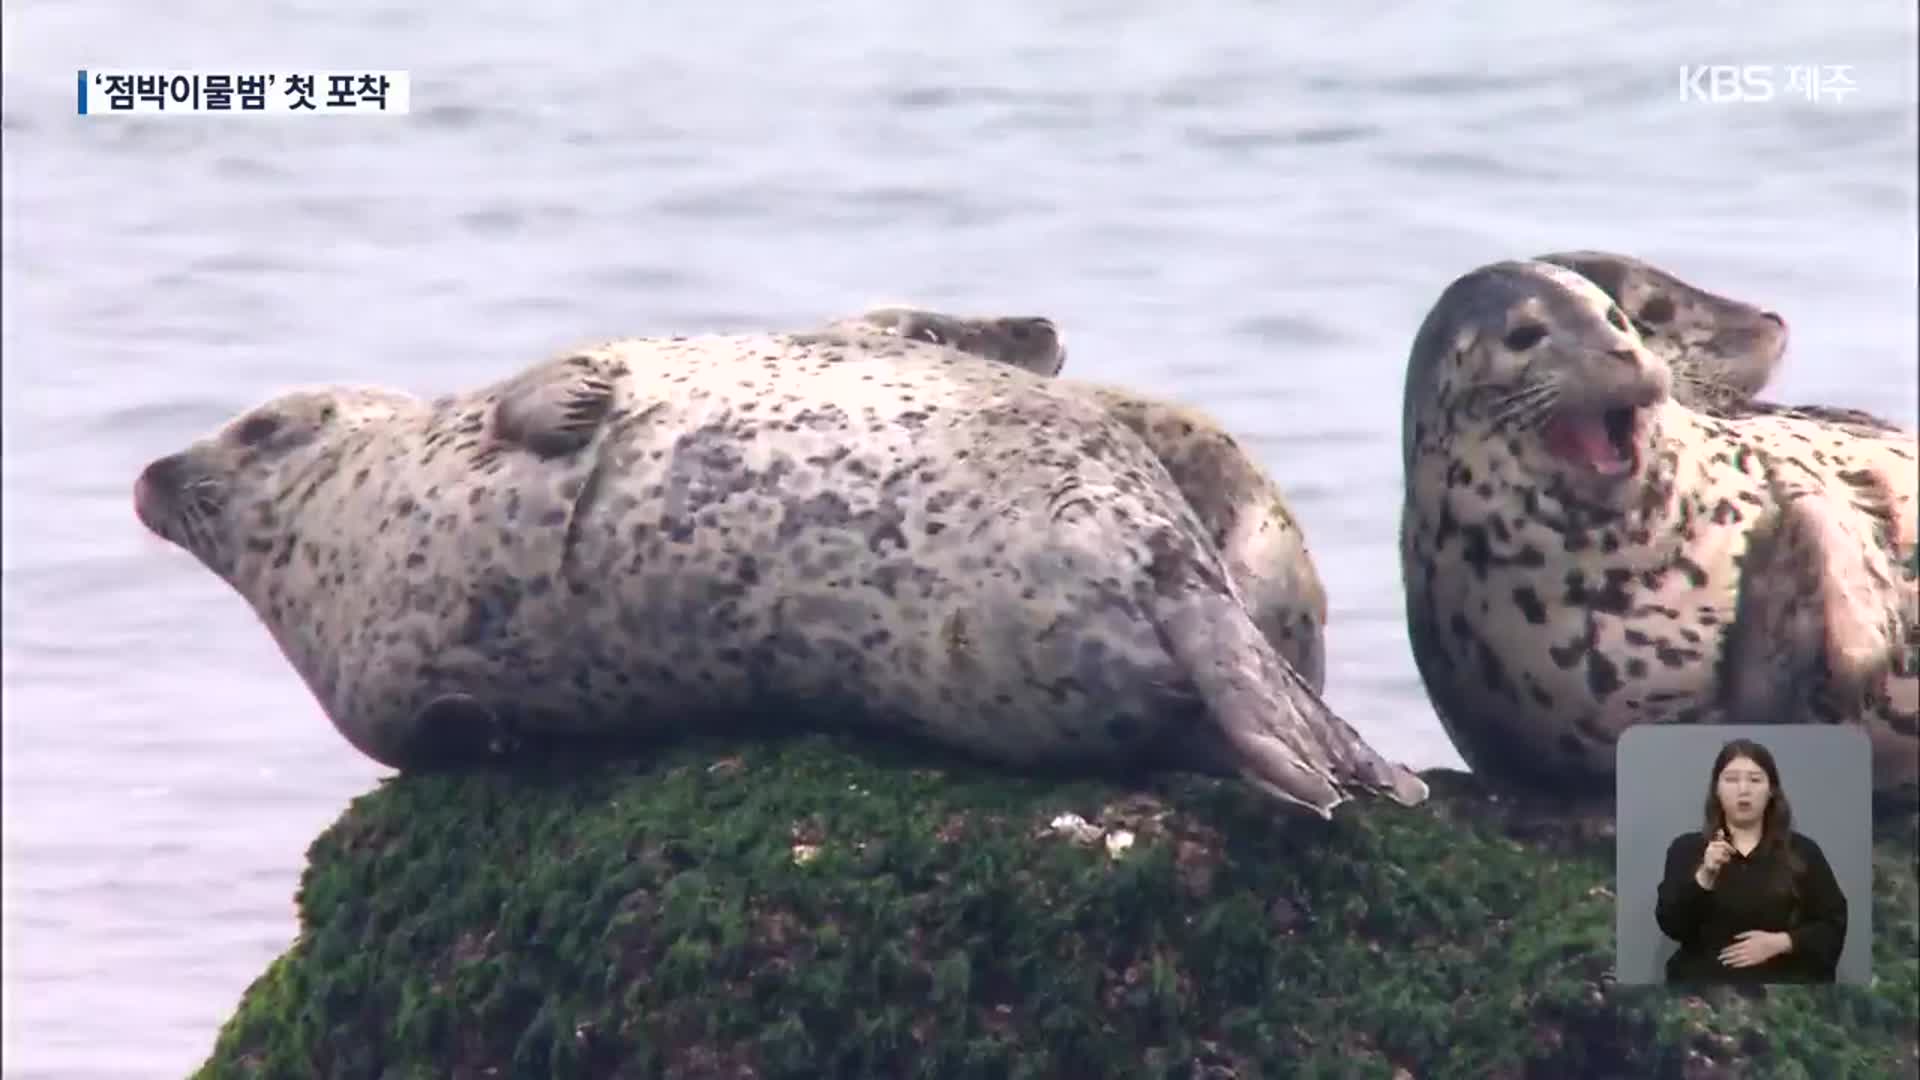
point(1721, 351)
point(653, 535)
point(1238, 504)
point(1573, 539)
point(1029, 342)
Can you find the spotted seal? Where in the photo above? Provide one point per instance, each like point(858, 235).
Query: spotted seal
point(652, 535)
point(1029, 342)
point(1581, 552)
point(1721, 351)
point(1238, 503)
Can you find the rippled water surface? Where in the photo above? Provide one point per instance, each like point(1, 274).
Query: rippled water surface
point(1245, 209)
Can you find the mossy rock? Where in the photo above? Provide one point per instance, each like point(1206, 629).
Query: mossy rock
point(815, 907)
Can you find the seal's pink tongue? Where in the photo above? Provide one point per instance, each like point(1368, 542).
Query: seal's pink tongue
point(1582, 439)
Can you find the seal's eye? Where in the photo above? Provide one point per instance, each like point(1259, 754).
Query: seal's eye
point(1525, 336)
point(1617, 318)
point(257, 430)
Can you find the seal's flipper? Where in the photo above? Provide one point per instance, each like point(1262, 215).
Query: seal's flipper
point(1278, 734)
point(457, 729)
point(554, 409)
point(1810, 622)
point(913, 323)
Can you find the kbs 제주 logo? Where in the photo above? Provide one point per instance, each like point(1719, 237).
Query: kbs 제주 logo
point(1731, 84)
point(246, 91)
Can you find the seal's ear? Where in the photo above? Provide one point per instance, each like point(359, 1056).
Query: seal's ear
point(554, 409)
point(454, 730)
point(1808, 623)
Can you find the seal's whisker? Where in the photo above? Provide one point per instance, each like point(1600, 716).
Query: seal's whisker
point(1534, 388)
point(205, 491)
point(193, 526)
point(1536, 413)
point(206, 495)
point(1527, 406)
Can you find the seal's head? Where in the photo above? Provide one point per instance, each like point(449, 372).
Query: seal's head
point(228, 494)
point(1537, 358)
point(1722, 351)
point(1029, 342)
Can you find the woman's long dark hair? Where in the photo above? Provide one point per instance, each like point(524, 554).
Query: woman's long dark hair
point(1776, 824)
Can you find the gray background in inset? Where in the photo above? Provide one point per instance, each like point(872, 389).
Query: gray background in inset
point(1661, 785)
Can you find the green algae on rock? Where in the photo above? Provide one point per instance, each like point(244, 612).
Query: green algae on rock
point(820, 907)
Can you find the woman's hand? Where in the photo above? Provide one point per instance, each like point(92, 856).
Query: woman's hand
point(1753, 947)
point(1715, 857)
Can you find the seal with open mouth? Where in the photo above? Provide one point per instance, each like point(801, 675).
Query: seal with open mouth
point(1581, 552)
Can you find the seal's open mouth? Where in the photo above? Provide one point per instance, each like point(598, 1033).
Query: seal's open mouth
point(1599, 441)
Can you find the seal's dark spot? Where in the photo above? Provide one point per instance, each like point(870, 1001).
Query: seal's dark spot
point(1657, 310)
point(1493, 673)
point(1602, 677)
point(1475, 550)
point(1529, 603)
point(1576, 594)
point(1612, 597)
point(1696, 574)
point(1567, 655)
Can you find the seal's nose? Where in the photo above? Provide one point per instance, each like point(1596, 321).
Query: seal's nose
point(157, 485)
point(163, 475)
